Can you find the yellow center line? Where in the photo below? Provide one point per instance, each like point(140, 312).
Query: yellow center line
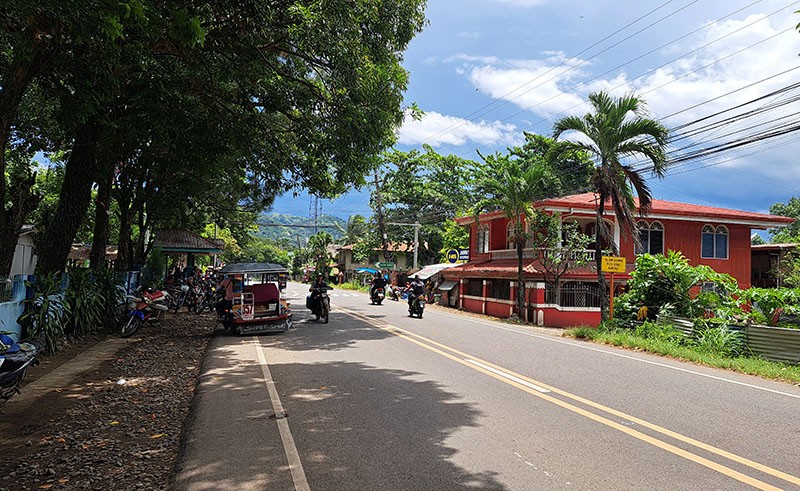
point(540, 389)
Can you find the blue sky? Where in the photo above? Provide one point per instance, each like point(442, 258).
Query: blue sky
point(485, 71)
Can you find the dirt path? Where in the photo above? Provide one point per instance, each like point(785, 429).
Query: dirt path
point(106, 413)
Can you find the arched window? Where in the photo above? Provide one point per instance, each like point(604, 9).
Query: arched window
point(483, 238)
point(714, 242)
point(651, 238)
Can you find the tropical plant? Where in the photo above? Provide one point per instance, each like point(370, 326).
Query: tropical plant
point(113, 295)
point(86, 301)
point(363, 248)
point(617, 129)
point(720, 341)
point(318, 246)
point(773, 302)
point(512, 186)
point(666, 282)
point(46, 311)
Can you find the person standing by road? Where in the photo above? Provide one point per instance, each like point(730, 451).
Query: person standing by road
point(225, 288)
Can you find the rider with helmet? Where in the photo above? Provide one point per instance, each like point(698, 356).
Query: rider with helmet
point(415, 289)
point(378, 281)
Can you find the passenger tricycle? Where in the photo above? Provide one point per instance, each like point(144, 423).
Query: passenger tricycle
point(257, 306)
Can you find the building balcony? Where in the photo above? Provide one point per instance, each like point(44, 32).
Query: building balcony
point(531, 253)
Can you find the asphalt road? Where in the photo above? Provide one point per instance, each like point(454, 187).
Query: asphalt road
point(375, 400)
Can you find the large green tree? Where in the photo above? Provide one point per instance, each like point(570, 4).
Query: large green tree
point(617, 129)
point(512, 185)
point(571, 169)
point(790, 233)
point(184, 110)
point(426, 188)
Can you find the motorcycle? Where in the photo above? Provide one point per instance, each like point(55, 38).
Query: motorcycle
point(14, 364)
point(417, 306)
point(378, 294)
point(320, 304)
point(151, 306)
point(392, 293)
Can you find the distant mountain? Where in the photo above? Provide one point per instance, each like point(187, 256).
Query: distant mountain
point(292, 228)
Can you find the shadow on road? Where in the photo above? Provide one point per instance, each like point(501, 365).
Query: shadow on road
point(355, 426)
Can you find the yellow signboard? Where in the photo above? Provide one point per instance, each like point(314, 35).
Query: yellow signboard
point(613, 264)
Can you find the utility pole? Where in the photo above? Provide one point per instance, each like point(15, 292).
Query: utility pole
point(416, 226)
point(381, 225)
point(315, 213)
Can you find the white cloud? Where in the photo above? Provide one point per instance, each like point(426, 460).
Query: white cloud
point(437, 129)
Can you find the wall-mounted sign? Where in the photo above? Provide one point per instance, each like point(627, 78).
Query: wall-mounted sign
point(452, 256)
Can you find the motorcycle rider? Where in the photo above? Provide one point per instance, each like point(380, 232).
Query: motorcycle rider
point(315, 289)
point(378, 281)
point(415, 288)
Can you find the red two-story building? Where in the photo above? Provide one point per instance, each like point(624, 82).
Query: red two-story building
point(716, 237)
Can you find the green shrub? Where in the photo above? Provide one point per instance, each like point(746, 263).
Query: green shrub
point(86, 300)
point(665, 282)
point(769, 303)
point(46, 311)
point(719, 341)
point(660, 332)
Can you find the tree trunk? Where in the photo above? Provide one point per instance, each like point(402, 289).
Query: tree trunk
point(73, 201)
point(520, 282)
point(97, 258)
point(23, 202)
point(15, 82)
point(139, 252)
point(123, 262)
point(598, 259)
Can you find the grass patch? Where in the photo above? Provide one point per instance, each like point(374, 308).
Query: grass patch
point(349, 285)
point(661, 341)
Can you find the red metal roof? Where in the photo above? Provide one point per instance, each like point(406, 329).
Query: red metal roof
point(587, 201)
point(660, 209)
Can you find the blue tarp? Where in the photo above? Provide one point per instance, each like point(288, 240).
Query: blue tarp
point(366, 270)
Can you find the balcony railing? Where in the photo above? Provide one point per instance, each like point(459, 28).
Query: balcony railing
point(531, 253)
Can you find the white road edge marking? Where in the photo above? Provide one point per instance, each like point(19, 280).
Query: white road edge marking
point(508, 376)
point(629, 357)
point(293, 457)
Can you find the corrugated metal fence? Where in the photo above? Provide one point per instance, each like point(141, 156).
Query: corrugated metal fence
point(772, 343)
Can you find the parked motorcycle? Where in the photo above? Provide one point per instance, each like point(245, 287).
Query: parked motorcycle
point(377, 296)
point(182, 296)
point(392, 293)
point(417, 306)
point(15, 359)
point(320, 304)
point(151, 306)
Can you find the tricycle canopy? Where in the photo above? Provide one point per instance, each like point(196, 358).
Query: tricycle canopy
point(241, 268)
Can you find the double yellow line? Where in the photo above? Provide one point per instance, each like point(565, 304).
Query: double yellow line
point(543, 391)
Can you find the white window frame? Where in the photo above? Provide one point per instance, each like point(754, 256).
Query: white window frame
point(714, 232)
point(655, 226)
point(483, 238)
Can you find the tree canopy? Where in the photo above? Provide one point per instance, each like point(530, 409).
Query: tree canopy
point(187, 113)
point(616, 129)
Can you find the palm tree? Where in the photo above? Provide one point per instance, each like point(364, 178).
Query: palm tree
point(617, 129)
point(512, 185)
point(318, 246)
